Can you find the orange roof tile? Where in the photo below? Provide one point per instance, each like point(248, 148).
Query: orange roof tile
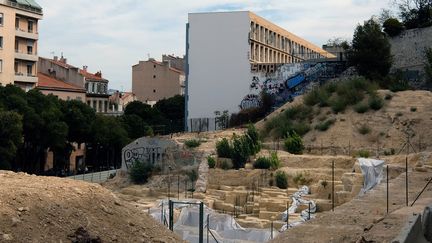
point(92, 76)
point(47, 82)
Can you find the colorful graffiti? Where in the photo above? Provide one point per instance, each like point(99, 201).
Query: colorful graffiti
point(286, 81)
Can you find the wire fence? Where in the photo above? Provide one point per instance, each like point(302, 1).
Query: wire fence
point(97, 177)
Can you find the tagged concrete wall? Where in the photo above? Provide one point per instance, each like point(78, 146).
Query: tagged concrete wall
point(160, 152)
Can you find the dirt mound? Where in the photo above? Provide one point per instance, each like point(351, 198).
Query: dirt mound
point(406, 112)
point(47, 209)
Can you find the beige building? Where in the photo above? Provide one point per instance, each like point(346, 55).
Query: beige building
point(18, 42)
point(61, 89)
point(97, 90)
point(153, 81)
point(270, 43)
point(119, 101)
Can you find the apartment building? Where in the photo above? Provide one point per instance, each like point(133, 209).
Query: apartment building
point(97, 90)
point(153, 80)
point(65, 91)
point(226, 52)
point(19, 42)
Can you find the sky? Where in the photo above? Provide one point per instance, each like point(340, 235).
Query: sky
point(113, 35)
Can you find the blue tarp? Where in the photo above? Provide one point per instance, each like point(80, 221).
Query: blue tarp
point(292, 82)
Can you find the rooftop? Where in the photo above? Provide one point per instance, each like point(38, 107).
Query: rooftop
point(51, 83)
point(26, 5)
point(95, 77)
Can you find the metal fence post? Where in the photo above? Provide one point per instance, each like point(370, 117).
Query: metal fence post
point(201, 223)
point(309, 211)
point(387, 189)
point(271, 232)
point(171, 215)
point(333, 185)
point(406, 180)
point(208, 227)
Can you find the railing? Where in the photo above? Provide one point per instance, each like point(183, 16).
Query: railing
point(97, 177)
point(21, 6)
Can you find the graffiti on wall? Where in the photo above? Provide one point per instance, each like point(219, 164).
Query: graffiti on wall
point(286, 81)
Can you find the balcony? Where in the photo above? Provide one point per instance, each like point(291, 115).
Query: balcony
point(25, 78)
point(28, 56)
point(25, 34)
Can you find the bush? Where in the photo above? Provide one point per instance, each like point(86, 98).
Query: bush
point(324, 126)
point(281, 179)
point(361, 108)
point(223, 148)
point(140, 172)
point(375, 102)
point(253, 140)
point(192, 143)
point(262, 163)
point(363, 154)
point(211, 162)
point(226, 164)
point(393, 27)
point(294, 143)
point(301, 180)
point(338, 104)
point(274, 161)
point(240, 151)
point(364, 129)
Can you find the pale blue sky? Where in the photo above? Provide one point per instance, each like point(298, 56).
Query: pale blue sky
point(113, 35)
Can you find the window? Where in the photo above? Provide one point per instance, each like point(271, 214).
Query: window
point(154, 66)
point(16, 67)
point(17, 23)
point(100, 106)
point(30, 50)
point(1, 18)
point(30, 26)
point(154, 76)
point(1, 65)
point(94, 105)
point(29, 69)
point(154, 91)
point(1, 41)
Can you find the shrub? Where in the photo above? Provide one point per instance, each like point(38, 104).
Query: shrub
point(226, 164)
point(375, 102)
point(324, 184)
point(281, 179)
point(301, 128)
point(338, 104)
point(294, 143)
point(211, 162)
point(301, 180)
point(361, 108)
point(223, 148)
point(262, 163)
point(413, 109)
point(274, 161)
point(324, 126)
point(363, 154)
point(140, 172)
point(364, 129)
point(393, 27)
point(391, 152)
point(240, 151)
point(388, 97)
point(192, 143)
point(253, 140)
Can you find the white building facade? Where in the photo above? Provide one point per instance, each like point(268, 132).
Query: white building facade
point(225, 50)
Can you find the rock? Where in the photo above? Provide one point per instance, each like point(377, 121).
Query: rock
point(15, 221)
point(106, 210)
point(23, 209)
point(7, 237)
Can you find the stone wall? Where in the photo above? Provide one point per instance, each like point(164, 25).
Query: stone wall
point(408, 50)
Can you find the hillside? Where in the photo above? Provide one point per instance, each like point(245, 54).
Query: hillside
point(46, 209)
point(407, 112)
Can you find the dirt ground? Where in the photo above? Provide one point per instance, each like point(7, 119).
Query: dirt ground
point(406, 112)
point(47, 209)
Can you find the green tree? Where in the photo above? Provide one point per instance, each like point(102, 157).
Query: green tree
point(135, 126)
point(151, 116)
point(294, 143)
point(393, 27)
point(10, 137)
point(370, 52)
point(173, 110)
point(415, 13)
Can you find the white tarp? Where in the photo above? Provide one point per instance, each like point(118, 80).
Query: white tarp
point(223, 227)
point(297, 200)
point(372, 171)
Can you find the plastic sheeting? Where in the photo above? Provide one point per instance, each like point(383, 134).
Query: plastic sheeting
point(372, 171)
point(297, 200)
point(223, 227)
